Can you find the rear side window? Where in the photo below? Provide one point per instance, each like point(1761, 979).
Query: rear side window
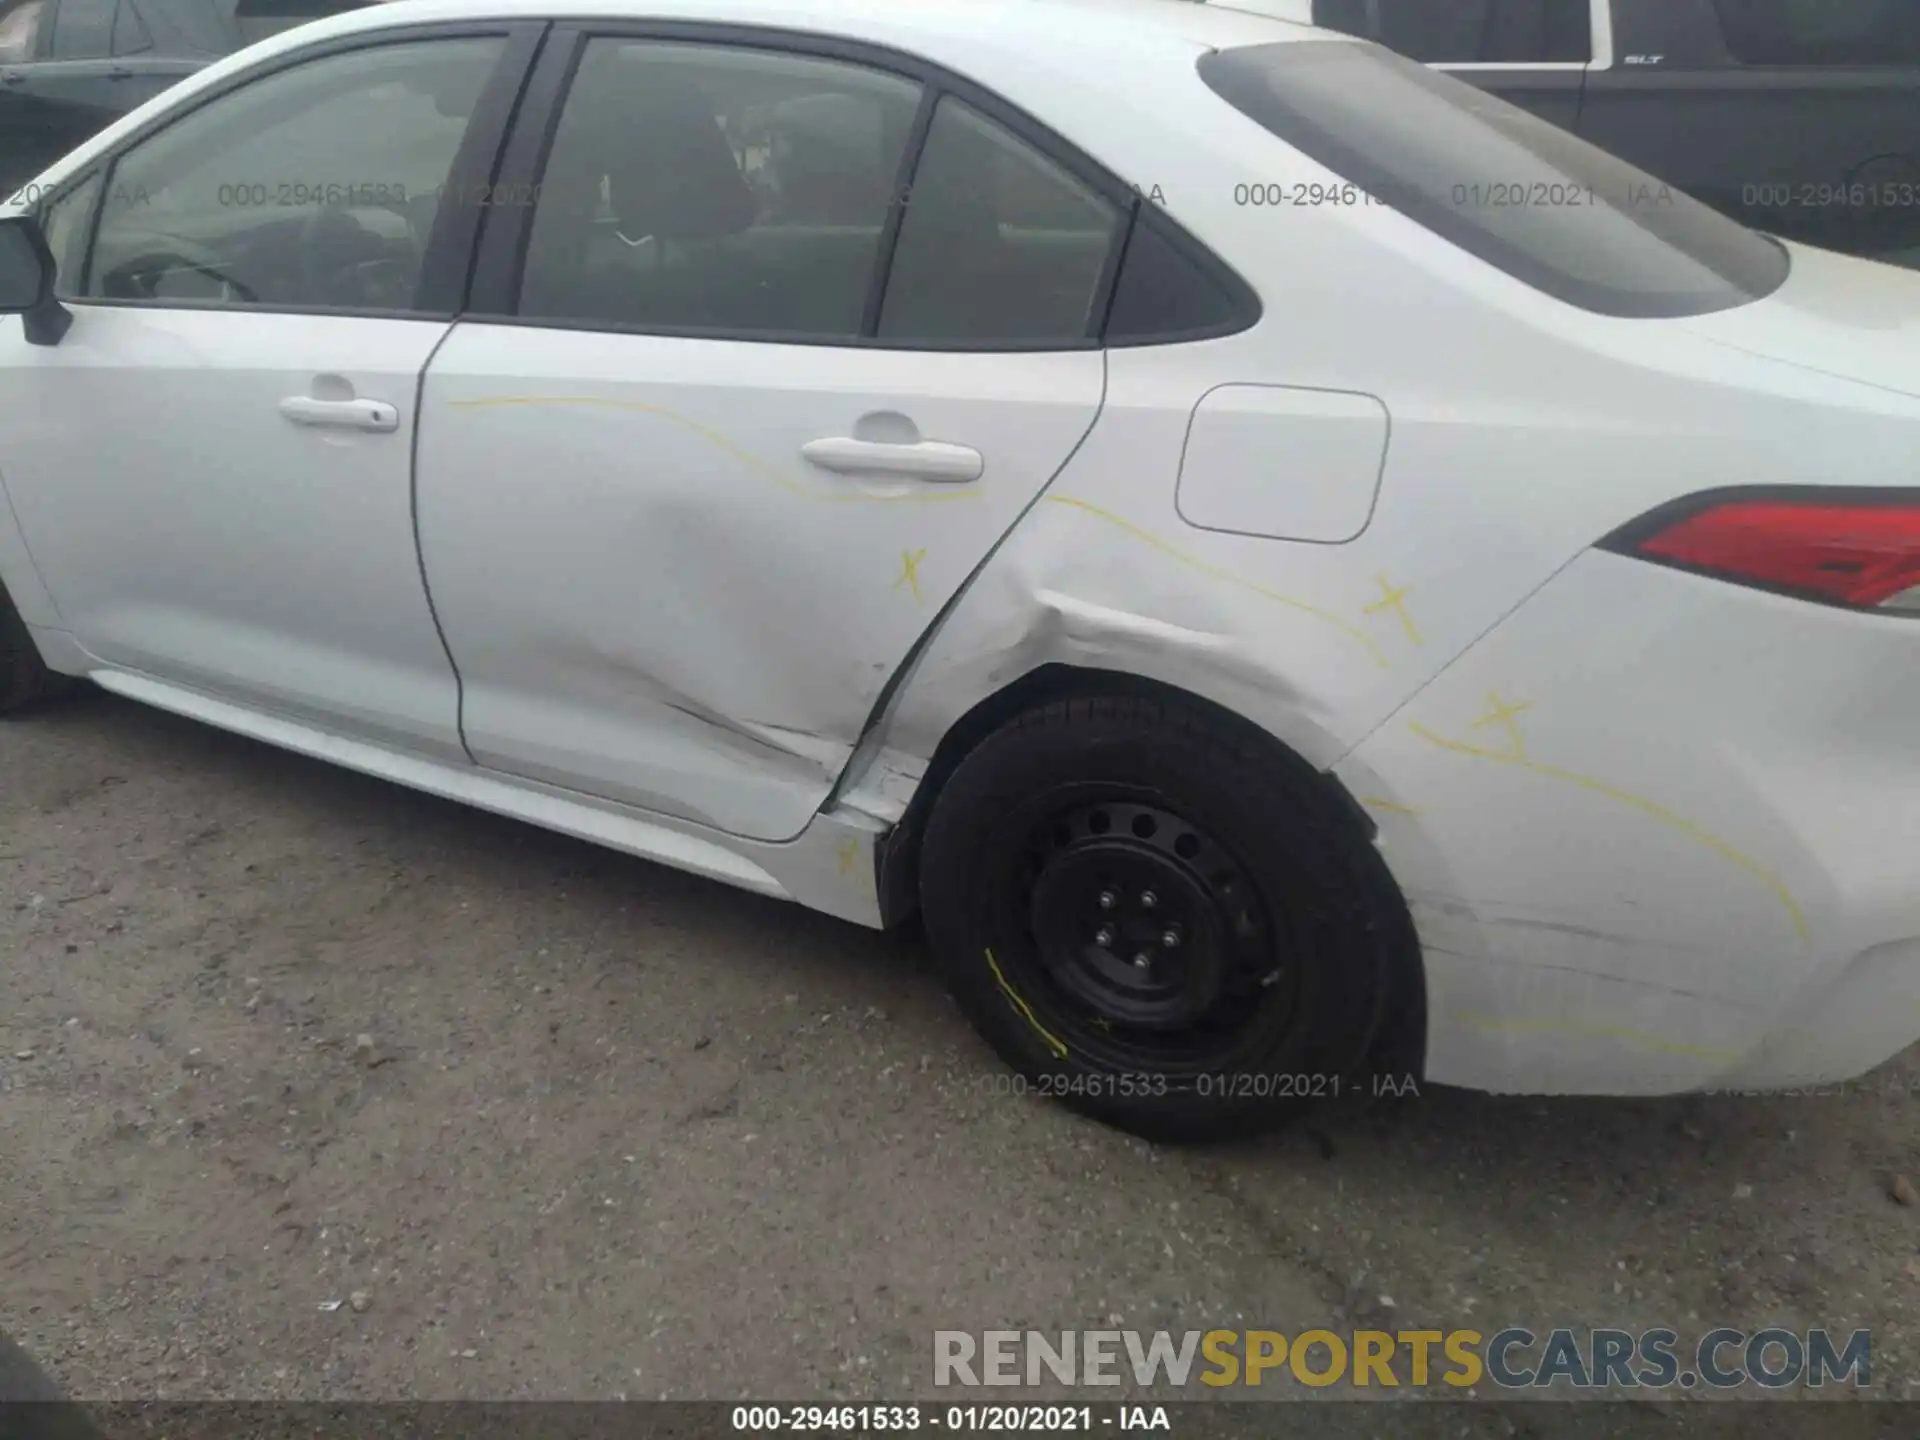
point(998, 244)
point(718, 190)
point(1469, 32)
point(1522, 194)
point(1170, 291)
point(1822, 32)
point(725, 191)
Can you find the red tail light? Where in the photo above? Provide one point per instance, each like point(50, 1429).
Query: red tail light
point(1839, 547)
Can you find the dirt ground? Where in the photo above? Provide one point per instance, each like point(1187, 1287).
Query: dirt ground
point(549, 1122)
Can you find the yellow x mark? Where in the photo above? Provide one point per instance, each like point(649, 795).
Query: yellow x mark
point(910, 571)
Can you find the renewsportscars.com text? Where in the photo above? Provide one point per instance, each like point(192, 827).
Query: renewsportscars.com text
point(1514, 1358)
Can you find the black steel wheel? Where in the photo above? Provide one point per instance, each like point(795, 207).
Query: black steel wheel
point(1137, 933)
point(1158, 918)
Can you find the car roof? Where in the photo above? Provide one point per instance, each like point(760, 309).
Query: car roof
point(1084, 31)
point(1065, 61)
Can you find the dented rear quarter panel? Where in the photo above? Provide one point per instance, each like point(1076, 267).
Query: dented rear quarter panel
point(1612, 908)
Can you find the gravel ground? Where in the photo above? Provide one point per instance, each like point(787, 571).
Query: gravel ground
point(549, 1122)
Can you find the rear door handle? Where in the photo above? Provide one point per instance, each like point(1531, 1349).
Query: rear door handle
point(923, 460)
point(373, 415)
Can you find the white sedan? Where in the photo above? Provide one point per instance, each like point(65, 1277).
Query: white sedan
point(1303, 574)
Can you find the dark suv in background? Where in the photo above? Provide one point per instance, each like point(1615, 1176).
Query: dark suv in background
point(1798, 117)
point(69, 68)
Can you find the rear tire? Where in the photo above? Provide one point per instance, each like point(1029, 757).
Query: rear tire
point(25, 681)
point(1159, 918)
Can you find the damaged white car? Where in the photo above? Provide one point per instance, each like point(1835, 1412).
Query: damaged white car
point(1296, 568)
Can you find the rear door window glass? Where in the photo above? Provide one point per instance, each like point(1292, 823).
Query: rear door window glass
point(999, 245)
point(717, 189)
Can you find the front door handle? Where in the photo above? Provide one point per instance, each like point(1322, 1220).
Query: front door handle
point(923, 459)
point(373, 415)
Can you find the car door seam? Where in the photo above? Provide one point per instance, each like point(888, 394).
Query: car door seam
point(419, 540)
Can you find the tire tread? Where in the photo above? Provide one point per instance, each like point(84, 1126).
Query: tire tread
point(1358, 904)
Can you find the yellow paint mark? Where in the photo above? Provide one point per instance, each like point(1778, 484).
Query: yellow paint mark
point(1376, 803)
point(849, 852)
point(1500, 713)
point(1396, 601)
point(910, 571)
point(916, 496)
point(1599, 1032)
point(1351, 631)
point(1652, 808)
point(1053, 1041)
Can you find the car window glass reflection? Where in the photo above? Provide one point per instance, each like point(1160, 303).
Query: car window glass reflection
point(701, 188)
point(315, 186)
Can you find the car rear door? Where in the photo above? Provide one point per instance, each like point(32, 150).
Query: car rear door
point(1533, 53)
point(1801, 117)
point(799, 333)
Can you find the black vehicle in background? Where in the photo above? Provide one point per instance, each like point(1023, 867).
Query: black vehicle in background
point(69, 68)
point(1798, 117)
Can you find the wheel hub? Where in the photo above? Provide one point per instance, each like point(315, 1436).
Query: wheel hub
point(1136, 916)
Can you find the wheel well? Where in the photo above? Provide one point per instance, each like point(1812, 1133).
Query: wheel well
point(1402, 1044)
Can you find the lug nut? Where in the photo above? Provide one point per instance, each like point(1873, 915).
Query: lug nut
point(1103, 937)
point(1170, 938)
point(1142, 961)
point(1148, 899)
point(1108, 900)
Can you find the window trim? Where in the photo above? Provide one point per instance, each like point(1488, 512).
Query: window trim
point(506, 234)
point(447, 265)
point(87, 221)
point(896, 217)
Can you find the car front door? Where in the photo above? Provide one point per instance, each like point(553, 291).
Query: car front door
point(689, 499)
point(1533, 53)
point(213, 469)
point(1800, 117)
